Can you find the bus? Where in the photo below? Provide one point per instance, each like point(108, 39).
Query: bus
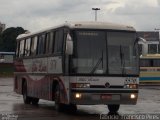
point(6, 63)
point(7, 57)
point(150, 69)
point(79, 63)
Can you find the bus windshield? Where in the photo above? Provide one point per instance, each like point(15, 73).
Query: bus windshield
point(101, 52)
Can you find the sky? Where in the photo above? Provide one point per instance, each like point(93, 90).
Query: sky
point(35, 15)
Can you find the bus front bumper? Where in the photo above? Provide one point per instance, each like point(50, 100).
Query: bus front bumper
point(89, 96)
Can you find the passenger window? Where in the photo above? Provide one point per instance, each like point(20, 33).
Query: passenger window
point(1, 56)
point(51, 42)
point(58, 41)
point(21, 50)
point(47, 42)
point(34, 45)
point(145, 63)
point(41, 44)
point(27, 47)
point(156, 63)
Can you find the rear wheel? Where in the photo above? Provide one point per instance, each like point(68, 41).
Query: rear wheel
point(72, 108)
point(58, 106)
point(113, 108)
point(26, 98)
point(35, 101)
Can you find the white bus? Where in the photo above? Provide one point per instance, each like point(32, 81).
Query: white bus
point(79, 63)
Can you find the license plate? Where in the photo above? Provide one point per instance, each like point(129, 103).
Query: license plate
point(110, 97)
point(106, 97)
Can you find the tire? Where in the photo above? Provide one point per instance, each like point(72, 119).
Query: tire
point(35, 101)
point(72, 108)
point(26, 98)
point(58, 105)
point(113, 108)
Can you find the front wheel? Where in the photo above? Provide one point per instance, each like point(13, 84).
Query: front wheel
point(72, 108)
point(26, 98)
point(113, 108)
point(58, 105)
point(35, 101)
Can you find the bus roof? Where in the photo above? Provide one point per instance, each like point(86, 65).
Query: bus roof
point(150, 56)
point(85, 25)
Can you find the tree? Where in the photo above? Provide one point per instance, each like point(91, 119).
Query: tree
point(8, 38)
point(1, 44)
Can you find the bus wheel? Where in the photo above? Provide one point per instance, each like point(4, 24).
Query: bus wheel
point(113, 108)
point(58, 105)
point(35, 101)
point(72, 108)
point(26, 98)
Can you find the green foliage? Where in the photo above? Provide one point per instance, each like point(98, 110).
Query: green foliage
point(1, 44)
point(8, 39)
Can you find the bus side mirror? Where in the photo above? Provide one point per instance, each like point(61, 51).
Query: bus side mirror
point(69, 45)
point(144, 44)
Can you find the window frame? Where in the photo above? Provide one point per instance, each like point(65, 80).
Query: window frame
point(41, 44)
point(72, 31)
point(21, 53)
point(57, 43)
point(26, 45)
point(33, 46)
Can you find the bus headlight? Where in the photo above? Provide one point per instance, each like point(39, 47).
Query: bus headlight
point(78, 95)
point(131, 86)
point(80, 85)
point(132, 96)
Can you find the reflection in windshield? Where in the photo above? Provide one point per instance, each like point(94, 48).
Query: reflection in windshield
point(121, 54)
point(97, 64)
point(90, 53)
point(100, 52)
point(122, 60)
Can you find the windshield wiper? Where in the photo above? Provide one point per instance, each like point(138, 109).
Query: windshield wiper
point(122, 60)
point(97, 64)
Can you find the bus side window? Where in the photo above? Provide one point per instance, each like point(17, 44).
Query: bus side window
point(58, 47)
point(27, 47)
point(152, 48)
point(34, 45)
point(145, 63)
point(151, 63)
point(47, 42)
point(1, 58)
point(41, 44)
point(156, 63)
point(51, 42)
point(21, 50)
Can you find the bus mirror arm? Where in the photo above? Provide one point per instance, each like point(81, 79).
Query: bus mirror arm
point(144, 45)
point(69, 45)
point(140, 39)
